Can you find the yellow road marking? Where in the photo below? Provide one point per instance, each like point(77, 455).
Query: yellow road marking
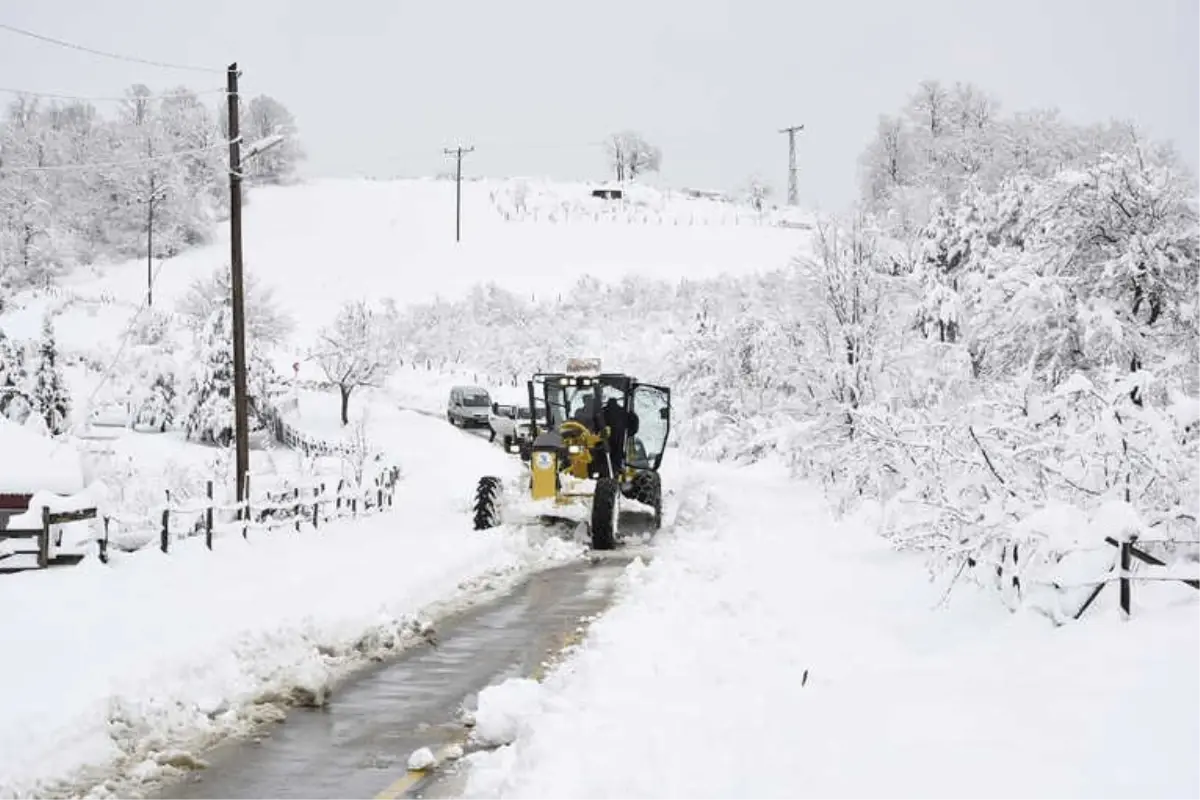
point(399, 787)
point(414, 776)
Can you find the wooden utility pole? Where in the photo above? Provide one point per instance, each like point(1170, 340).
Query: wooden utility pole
point(156, 194)
point(240, 403)
point(150, 247)
point(793, 188)
point(458, 152)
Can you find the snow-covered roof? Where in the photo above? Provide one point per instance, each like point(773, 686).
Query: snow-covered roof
point(30, 462)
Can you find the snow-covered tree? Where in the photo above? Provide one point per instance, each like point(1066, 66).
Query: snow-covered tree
point(757, 191)
point(210, 412)
point(846, 277)
point(159, 149)
point(262, 117)
point(209, 415)
point(266, 323)
point(51, 399)
point(15, 403)
point(157, 406)
point(629, 155)
point(355, 351)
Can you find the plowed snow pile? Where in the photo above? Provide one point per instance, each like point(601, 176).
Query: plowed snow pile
point(695, 684)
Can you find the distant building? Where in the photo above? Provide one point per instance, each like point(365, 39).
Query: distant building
point(707, 194)
point(608, 191)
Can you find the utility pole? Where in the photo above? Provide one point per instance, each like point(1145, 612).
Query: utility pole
point(156, 194)
point(240, 432)
point(792, 185)
point(458, 152)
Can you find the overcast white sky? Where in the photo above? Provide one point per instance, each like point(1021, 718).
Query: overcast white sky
point(380, 86)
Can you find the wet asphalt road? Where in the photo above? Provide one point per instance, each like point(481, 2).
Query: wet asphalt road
point(359, 744)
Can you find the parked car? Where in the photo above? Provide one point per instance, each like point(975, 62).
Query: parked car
point(468, 407)
point(511, 422)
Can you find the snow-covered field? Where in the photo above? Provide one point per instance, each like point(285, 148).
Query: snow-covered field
point(322, 243)
point(770, 651)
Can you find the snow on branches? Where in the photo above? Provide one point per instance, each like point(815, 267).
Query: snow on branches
point(355, 351)
point(1052, 378)
point(77, 186)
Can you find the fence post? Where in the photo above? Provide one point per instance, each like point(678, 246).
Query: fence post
point(317, 495)
point(104, 544)
point(1126, 563)
point(165, 542)
point(208, 515)
point(296, 509)
point(43, 555)
point(245, 511)
point(341, 485)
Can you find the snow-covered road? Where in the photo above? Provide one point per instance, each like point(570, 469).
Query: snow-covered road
point(358, 745)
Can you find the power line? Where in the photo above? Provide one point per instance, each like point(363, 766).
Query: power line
point(105, 53)
point(96, 99)
point(115, 164)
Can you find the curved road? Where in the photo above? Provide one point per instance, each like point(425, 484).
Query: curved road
point(359, 744)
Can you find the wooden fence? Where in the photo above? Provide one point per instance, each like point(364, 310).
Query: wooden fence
point(290, 436)
point(40, 537)
point(1122, 572)
point(310, 504)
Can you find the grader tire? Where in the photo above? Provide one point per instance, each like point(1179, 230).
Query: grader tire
point(487, 503)
point(604, 514)
point(647, 488)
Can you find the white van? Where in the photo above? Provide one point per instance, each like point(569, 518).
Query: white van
point(468, 407)
point(510, 420)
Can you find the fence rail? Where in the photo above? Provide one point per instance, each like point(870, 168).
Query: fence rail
point(40, 536)
point(1122, 573)
point(307, 504)
point(693, 213)
point(300, 505)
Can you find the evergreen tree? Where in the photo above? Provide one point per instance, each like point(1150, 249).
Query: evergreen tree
point(157, 408)
point(14, 399)
point(51, 400)
point(210, 413)
point(210, 399)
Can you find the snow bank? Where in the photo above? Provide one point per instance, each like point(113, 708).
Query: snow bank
point(421, 758)
point(124, 663)
point(502, 708)
point(769, 651)
point(30, 462)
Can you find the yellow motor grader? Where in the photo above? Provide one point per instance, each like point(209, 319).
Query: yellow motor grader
point(600, 450)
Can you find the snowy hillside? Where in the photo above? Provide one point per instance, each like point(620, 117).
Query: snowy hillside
point(320, 244)
point(311, 248)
